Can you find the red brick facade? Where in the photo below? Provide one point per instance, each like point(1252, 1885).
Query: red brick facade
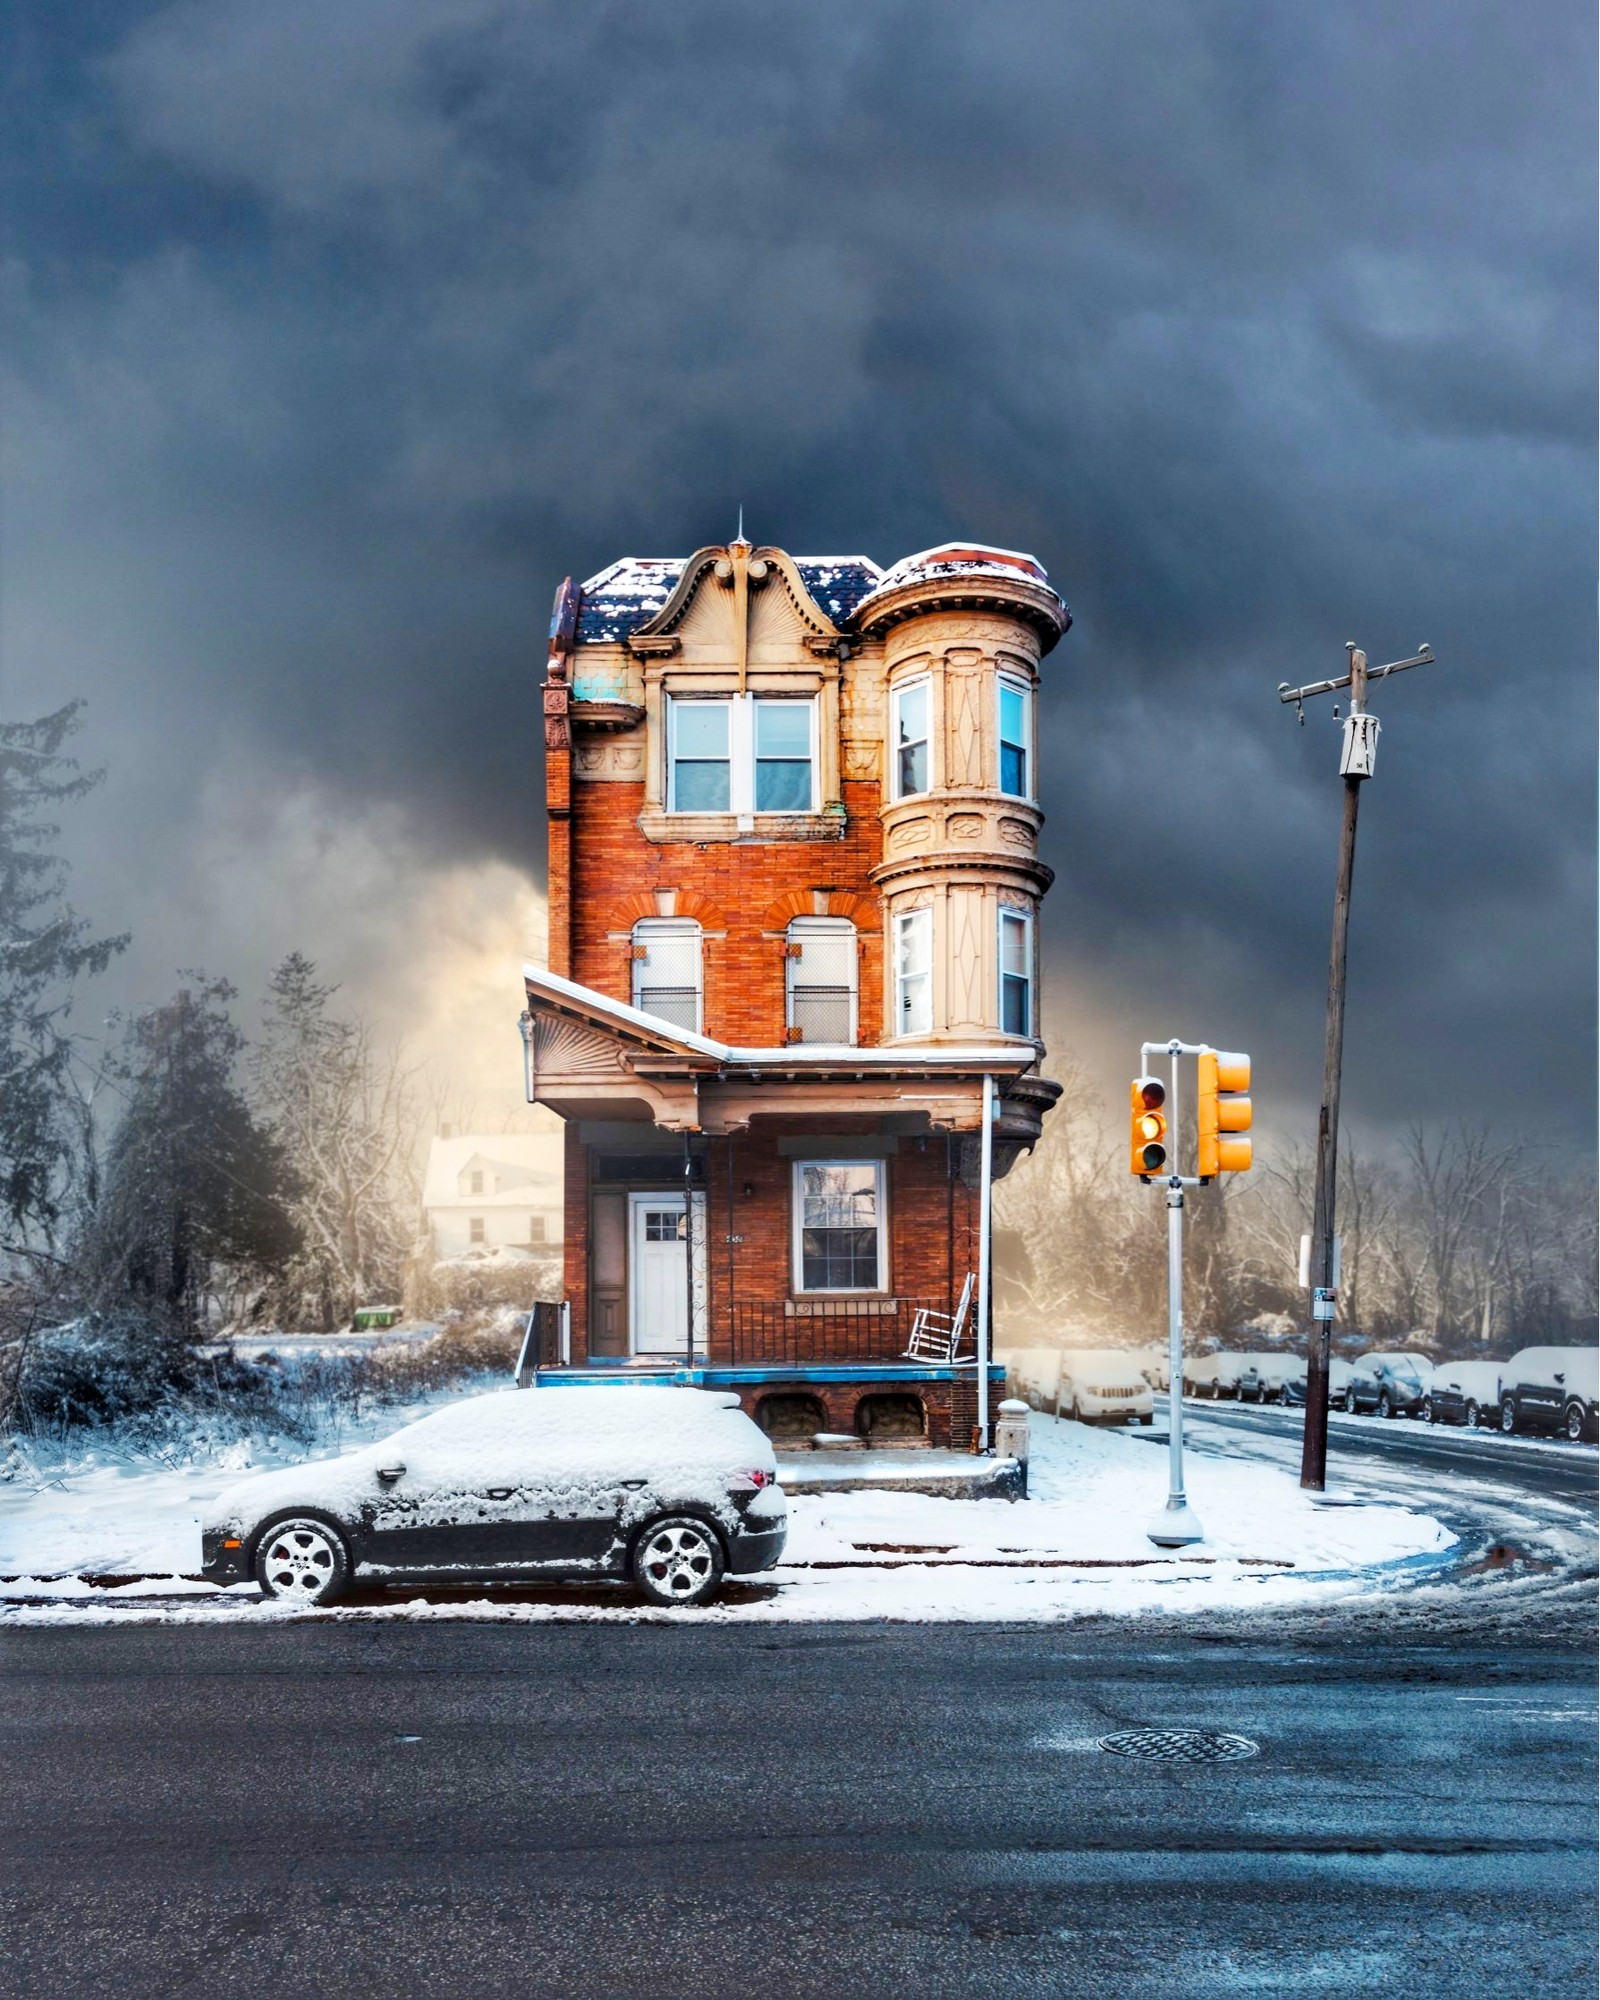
point(728, 1111)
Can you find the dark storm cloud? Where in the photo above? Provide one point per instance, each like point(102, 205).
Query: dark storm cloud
point(339, 335)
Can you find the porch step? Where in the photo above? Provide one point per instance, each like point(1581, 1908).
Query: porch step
point(947, 1475)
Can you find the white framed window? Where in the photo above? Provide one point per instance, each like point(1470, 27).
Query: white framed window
point(476, 1178)
point(667, 980)
point(742, 754)
point(908, 750)
point(913, 973)
point(1016, 972)
point(474, 1228)
point(1016, 737)
point(839, 1226)
point(700, 756)
point(536, 1229)
point(820, 980)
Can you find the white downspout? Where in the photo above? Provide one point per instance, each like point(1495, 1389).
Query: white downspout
point(985, 1218)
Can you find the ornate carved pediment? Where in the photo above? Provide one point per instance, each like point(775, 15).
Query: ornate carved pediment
point(744, 573)
point(563, 1048)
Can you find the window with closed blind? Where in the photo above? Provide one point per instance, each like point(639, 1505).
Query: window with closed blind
point(820, 980)
point(666, 970)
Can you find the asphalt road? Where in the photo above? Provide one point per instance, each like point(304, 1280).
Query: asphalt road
point(1556, 1470)
point(575, 1810)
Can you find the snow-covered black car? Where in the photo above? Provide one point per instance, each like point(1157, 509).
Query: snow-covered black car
point(1551, 1389)
point(674, 1488)
point(1392, 1385)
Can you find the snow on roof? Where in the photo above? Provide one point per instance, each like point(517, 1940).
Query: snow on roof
point(527, 1166)
point(1001, 1057)
point(629, 593)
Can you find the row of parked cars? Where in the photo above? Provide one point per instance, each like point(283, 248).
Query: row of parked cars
point(1540, 1389)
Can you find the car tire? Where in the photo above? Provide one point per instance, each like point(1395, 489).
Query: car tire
point(1149, 1419)
point(1471, 1416)
point(678, 1560)
point(1385, 1407)
point(303, 1561)
point(1351, 1407)
point(1508, 1415)
point(1574, 1423)
point(1425, 1411)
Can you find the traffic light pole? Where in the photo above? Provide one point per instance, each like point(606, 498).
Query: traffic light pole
point(1355, 766)
point(1176, 1526)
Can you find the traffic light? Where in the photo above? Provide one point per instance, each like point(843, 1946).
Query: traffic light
point(1148, 1139)
point(1221, 1111)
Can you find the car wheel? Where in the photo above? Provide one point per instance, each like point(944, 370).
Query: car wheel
point(1470, 1416)
point(1425, 1410)
point(1508, 1415)
point(302, 1561)
point(1351, 1407)
point(1385, 1407)
point(1574, 1424)
point(1149, 1419)
point(678, 1561)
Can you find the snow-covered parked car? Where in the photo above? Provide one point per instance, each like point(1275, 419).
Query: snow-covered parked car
point(1465, 1392)
point(1339, 1374)
point(1103, 1385)
point(1550, 1389)
point(1213, 1375)
point(672, 1487)
point(1264, 1378)
point(1391, 1384)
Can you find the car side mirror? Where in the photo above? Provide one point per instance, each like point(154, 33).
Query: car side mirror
point(1561, 1378)
point(390, 1473)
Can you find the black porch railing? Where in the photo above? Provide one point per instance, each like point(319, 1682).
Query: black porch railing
point(786, 1332)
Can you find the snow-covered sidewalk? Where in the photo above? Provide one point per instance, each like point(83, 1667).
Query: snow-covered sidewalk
point(1077, 1547)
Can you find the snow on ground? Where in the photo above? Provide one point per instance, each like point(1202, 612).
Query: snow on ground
point(1076, 1547)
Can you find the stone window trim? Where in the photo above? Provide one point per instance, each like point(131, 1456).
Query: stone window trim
point(664, 683)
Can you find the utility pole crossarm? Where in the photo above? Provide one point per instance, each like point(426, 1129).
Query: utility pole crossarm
point(1423, 657)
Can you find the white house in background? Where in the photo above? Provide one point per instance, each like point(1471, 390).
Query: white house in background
point(494, 1191)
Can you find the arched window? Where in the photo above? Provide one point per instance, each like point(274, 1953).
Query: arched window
point(666, 970)
point(820, 980)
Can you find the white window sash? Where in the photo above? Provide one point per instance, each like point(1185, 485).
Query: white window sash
point(1004, 685)
point(827, 964)
point(899, 696)
point(1018, 924)
point(797, 1217)
point(913, 971)
point(674, 963)
point(741, 758)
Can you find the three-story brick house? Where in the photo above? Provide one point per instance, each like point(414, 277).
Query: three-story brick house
point(794, 894)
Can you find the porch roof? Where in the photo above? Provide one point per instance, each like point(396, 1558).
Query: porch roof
point(594, 1057)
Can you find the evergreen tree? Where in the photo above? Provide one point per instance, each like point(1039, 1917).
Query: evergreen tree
point(194, 1186)
point(44, 950)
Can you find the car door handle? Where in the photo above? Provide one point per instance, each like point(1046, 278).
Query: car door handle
point(390, 1473)
point(633, 1485)
point(500, 1492)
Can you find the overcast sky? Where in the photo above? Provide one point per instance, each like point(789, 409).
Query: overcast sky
point(336, 336)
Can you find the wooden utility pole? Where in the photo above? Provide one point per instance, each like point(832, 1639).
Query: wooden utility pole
point(1355, 767)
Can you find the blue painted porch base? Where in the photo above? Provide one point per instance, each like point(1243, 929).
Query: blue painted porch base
point(620, 1373)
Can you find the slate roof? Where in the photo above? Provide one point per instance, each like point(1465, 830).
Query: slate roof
point(629, 593)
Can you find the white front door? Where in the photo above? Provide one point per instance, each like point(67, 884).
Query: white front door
point(658, 1274)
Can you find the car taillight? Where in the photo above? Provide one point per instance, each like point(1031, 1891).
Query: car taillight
point(756, 1478)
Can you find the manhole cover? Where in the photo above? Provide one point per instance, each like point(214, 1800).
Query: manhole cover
point(1183, 1746)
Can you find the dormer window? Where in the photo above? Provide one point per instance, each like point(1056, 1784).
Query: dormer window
point(476, 1182)
point(742, 754)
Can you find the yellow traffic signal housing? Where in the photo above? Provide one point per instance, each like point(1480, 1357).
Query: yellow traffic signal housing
point(1222, 1110)
point(1148, 1138)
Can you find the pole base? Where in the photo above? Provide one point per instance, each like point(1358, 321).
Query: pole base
point(1176, 1527)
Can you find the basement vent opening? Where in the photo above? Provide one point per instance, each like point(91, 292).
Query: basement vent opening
point(1182, 1746)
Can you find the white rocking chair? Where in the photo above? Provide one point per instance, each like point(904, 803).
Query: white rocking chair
point(936, 1337)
